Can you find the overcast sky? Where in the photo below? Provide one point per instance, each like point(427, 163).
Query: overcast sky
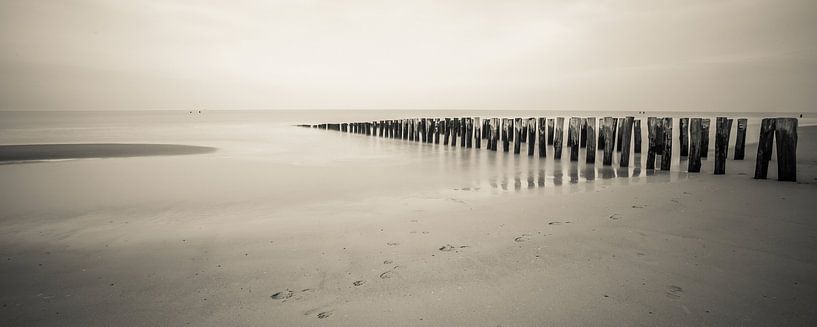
point(747, 55)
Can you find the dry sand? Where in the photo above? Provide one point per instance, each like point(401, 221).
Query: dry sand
point(667, 249)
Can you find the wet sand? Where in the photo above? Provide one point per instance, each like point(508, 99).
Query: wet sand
point(35, 152)
point(661, 249)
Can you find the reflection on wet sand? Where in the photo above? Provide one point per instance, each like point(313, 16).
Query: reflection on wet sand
point(37, 152)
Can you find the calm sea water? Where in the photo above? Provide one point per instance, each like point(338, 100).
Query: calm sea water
point(263, 158)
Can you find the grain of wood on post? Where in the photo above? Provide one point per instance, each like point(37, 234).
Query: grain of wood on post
point(740, 139)
point(477, 133)
point(705, 138)
point(590, 147)
point(608, 128)
point(558, 137)
point(785, 131)
point(637, 136)
point(573, 129)
point(683, 136)
point(583, 133)
point(723, 127)
point(517, 135)
point(764, 147)
point(666, 153)
point(531, 136)
point(626, 136)
point(550, 131)
point(695, 133)
point(542, 130)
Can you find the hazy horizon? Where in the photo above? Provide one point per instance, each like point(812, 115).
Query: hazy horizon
point(711, 56)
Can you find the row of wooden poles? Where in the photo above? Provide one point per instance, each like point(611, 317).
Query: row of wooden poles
point(619, 134)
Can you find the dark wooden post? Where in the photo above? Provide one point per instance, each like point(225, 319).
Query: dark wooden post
point(764, 147)
point(626, 136)
point(517, 135)
point(619, 125)
point(659, 138)
point(558, 137)
point(723, 127)
point(666, 154)
point(477, 133)
point(524, 131)
point(573, 129)
point(455, 131)
point(437, 131)
point(469, 132)
point(695, 133)
point(600, 144)
point(637, 136)
point(422, 128)
point(607, 128)
point(683, 135)
point(542, 137)
point(550, 131)
point(652, 140)
point(583, 133)
point(446, 131)
point(740, 139)
point(463, 133)
point(785, 131)
point(590, 138)
point(505, 141)
point(531, 136)
point(705, 138)
point(495, 133)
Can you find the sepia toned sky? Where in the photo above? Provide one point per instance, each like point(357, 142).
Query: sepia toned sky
point(686, 55)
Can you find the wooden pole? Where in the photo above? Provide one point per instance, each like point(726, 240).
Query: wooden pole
point(695, 138)
point(723, 127)
point(626, 136)
point(542, 137)
point(477, 133)
point(637, 136)
point(524, 132)
point(683, 135)
point(666, 154)
point(590, 138)
point(619, 125)
point(607, 128)
point(550, 131)
point(558, 137)
point(785, 131)
point(531, 136)
point(600, 144)
point(517, 130)
point(764, 147)
point(469, 132)
point(446, 131)
point(463, 133)
point(505, 142)
point(705, 138)
point(573, 129)
point(583, 133)
point(740, 139)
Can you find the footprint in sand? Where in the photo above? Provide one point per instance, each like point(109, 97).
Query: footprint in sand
point(359, 282)
point(387, 262)
point(392, 244)
point(615, 216)
point(674, 292)
point(555, 223)
point(325, 314)
point(389, 273)
point(288, 294)
point(523, 238)
point(449, 247)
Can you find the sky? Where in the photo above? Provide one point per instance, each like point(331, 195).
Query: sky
point(683, 55)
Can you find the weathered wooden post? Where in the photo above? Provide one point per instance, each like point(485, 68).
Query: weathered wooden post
point(417, 130)
point(583, 133)
point(542, 137)
point(477, 133)
point(517, 130)
point(683, 135)
point(437, 131)
point(619, 125)
point(785, 131)
point(608, 129)
point(764, 147)
point(573, 129)
point(740, 139)
point(531, 136)
point(524, 131)
point(455, 132)
point(463, 132)
point(695, 133)
point(590, 135)
point(626, 136)
point(637, 136)
point(469, 132)
point(652, 140)
point(495, 134)
point(558, 137)
point(550, 131)
point(447, 131)
point(421, 124)
point(600, 144)
point(723, 127)
point(659, 138)
point(705, 138)
point(666, 154)
point(505, 141)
